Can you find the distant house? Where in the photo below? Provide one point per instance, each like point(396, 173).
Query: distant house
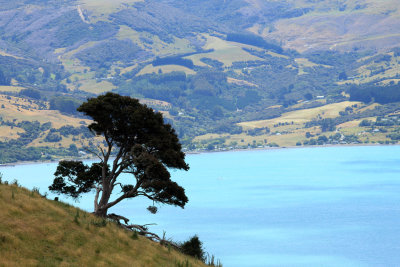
point(320, 97)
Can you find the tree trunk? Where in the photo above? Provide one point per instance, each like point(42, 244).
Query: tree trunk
point(101, 209)
point(101, 212)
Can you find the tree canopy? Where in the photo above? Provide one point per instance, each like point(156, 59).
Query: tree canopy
point(136, 142)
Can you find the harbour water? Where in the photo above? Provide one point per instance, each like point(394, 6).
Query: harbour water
point(325, 206)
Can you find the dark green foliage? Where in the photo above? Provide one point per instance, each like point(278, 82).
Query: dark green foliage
point(45, 126)
point(52, 137)
point(76, 217)
point(193, 247)
point(163, 20)
point(365, 123)
point(71, 29)
point(380, 94)
point(144, 145)
point(342, 76)
point(17, 150)
point(73, 178)
point(104, 54)
point(99, 223)
point(254, 40)
point(212, 62)
point(3, 79)
point(73, 149)
point(250, 97)
point(134, 235)
point(328, 125)
point(394, 136)
point(32, 93)
point(173, 60)
point(152, 209)
point(65, 104)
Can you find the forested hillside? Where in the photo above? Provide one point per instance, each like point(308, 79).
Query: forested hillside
point(226, 74)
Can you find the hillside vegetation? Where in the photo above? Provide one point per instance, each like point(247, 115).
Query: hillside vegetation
point(215, 67)
point(35, 231)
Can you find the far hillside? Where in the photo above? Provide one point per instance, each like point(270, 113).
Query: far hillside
point(212, 68)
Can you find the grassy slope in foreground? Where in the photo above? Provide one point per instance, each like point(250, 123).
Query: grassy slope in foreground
point(39, 232)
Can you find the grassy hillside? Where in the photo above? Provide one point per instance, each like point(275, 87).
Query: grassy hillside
point(38, 232)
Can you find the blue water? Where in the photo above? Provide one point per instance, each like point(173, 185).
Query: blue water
point(332, 206)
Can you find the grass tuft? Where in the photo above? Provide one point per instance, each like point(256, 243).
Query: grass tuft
point(134, 235)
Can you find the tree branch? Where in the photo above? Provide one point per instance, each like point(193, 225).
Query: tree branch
point(142, 229)
point(92, 152)
point(124, 196)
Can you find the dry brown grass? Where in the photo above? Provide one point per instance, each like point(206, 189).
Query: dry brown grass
point(14, 89)
point(7, 132)
point(20, 109)
point(299, 117)
point(290, 134)
point(39, 232)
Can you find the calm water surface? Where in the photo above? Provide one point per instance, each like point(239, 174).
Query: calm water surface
point(333, 206)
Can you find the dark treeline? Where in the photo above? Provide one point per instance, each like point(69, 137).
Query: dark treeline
point(65, 104)
point(173, 60)
point(380, 94)
point(251, 39)
point(179, 59)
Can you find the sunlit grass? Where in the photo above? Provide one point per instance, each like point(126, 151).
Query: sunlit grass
point(39, 232)
point(13, 110)
point(302, 116)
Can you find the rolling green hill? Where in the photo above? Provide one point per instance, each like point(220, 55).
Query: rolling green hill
point(208, 66)
point(35, 231)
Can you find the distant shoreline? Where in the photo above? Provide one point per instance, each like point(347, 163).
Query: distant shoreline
point(285, 147)
point(19, 163)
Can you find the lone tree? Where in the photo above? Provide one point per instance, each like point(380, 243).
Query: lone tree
point(137, 142)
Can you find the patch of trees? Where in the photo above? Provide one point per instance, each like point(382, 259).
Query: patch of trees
point(162, 20)
point(212, 62)
point(173, 60)
point(254, 40)
point(17, 150)
point(327, 125)
point(31, 93)
point(382, 58)
point(380, 94)
point(335, 58)
point(175, 76)
point(335, 139)
point(396, 51)
point(227, 127)
point(68, 130)
point(104, 54)
point(380, 121)
point(70, 29)
point(250, 97)
point(27, 74)
point(4, 80)
point(65, 104)
point(53, 137)
point(394, 136)
point(258, 131)
point(14, 151)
